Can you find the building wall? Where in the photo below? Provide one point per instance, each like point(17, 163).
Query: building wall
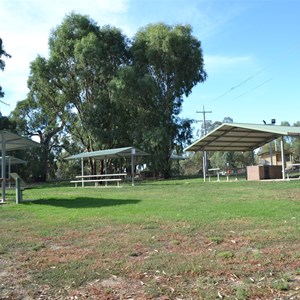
point(264, 172)
point(277, 159)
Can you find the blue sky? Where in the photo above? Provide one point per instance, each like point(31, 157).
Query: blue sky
point(251, 49)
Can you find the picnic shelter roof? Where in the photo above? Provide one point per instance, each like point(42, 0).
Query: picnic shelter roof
point(13, 141)
point(241, 137)
point(109, 153)
point(13, 160)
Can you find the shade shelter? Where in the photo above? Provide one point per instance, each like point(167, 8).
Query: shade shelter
point(10, 160)
point(243, 137)
point(131, 152)
point(11, 141)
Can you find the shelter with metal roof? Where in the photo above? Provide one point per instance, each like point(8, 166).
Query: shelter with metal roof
point(110, 153)
point(131, 152)
point(11, 160)
point(11, 141)
point(243, 137)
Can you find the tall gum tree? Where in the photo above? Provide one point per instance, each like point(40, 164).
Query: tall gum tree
point(108, 92)
point(74, 82)
point(33, 121)
point(168, 59)
point(2, 64)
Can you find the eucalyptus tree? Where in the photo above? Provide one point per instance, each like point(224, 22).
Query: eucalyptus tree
point(31, 120)
point(296, 145)
point(168, 63)
point(2, 64)
point(108, 92)
point(74, 83)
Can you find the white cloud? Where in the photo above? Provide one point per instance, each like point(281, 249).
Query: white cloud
point(219, 63)
point(26, 25)
point(209, 16)
point(25, 29)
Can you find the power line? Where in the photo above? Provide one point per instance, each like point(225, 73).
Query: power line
point(238, 85)
point(252, 89)
point(291, 49)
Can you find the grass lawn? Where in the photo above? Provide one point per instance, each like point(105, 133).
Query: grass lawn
point(177, 239)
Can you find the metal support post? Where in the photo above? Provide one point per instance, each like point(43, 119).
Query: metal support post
point(132, 165)
point(82, 172)
point(3, 175)
point(282, 157)
point(204, 166)
point(18, 191)
point(271, 153)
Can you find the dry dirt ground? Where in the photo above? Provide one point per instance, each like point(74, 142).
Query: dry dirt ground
point(222, 281)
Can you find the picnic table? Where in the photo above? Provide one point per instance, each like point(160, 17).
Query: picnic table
point(214, 171)
point(117, 178)
point(290, 170)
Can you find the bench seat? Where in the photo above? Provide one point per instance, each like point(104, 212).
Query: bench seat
point(117, 180)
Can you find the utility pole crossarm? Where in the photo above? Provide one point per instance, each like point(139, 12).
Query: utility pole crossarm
point(204, 112)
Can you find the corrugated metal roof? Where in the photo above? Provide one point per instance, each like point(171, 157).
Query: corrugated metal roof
point(241, 137)
point(13, 141)
point(109, 153)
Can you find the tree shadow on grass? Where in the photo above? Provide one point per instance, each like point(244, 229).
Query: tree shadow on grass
point(82, 202)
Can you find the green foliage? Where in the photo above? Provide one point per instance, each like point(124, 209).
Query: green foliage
point(33, 120)
point(281, 285)
point(89, 58)
point(216, 239)
point(241, 292)
point(70, 106)
point(169, 60)
point(295, 146)
point(226, 254)
point(227, 160)
point(6, 123)
point(98, 90)
point(193, 164)
point(2, 63)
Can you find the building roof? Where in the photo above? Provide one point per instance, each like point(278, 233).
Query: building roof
point(241, 137)
point(109, 153)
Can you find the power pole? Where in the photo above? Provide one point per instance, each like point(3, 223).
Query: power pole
point(204, 112)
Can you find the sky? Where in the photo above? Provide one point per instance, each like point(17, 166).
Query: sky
point(251, 50)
